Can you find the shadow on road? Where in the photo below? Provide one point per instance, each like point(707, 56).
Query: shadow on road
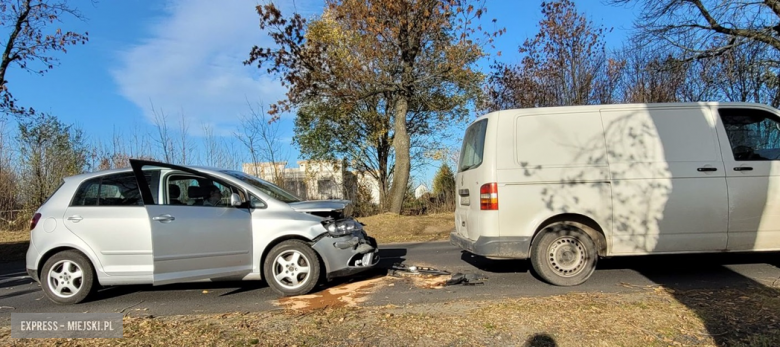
point(740, 310)
point(734, 308)
point(19, 293)
point(495, 265)
point(13, 251)
point(540, 340)
point(390, 256)
point(118, 291)
point(11, 276)
point(692, 270)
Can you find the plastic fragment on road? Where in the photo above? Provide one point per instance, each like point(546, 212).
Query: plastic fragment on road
point(468, 279)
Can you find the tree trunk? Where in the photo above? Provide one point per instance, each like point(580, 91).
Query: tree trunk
point(401, 143)
point(383, 156)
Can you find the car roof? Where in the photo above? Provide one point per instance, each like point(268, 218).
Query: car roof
point(88, 175)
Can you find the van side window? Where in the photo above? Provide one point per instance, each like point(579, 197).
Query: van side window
point(473, 146)
point(753, 134)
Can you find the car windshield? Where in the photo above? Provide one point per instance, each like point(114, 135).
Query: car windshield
point(266, 187)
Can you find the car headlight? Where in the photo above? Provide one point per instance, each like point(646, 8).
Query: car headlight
point(342, 227)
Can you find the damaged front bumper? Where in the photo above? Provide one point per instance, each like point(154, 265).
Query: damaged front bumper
point(347, 255)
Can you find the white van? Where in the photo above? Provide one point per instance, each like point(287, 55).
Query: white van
point(564, 186)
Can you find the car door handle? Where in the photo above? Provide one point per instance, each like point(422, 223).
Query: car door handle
point(75, 218)
point(463, 192)
point(705, 169)
point(164, 218)
point(743, 168)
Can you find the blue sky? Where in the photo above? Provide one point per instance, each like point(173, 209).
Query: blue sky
point(184, 57)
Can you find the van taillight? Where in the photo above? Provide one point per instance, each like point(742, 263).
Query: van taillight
point(488, 196)
point(34, 220)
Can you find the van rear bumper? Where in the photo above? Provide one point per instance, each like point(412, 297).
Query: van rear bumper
point(514, 247)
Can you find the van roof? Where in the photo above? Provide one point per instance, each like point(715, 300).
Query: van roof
point(579, 108)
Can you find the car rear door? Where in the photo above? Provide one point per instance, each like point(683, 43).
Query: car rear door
point(108, 214)
point(191, 242)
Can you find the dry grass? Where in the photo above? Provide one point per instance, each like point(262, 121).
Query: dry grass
point(389, 228)
point(654, 317)
point(14, 236)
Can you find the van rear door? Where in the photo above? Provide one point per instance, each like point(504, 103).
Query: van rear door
point(468, 190)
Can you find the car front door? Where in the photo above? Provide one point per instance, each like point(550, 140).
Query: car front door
point(195, 241)
point(750, 142)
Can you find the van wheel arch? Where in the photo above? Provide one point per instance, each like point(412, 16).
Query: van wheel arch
point(586, 224)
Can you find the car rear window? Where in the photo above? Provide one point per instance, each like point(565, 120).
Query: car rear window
point(473, 146)
point(111, 190)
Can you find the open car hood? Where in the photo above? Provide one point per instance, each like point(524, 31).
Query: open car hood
point(319, 205)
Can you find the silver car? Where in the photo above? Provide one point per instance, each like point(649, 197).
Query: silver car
point(156, 223)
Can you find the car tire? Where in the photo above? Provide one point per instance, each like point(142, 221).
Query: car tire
point(292, 268)
point(67, 278)
point(563, 255)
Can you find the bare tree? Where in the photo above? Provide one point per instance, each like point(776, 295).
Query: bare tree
point(217, 152)
point(185, 149)
point(729, 50)
point(8, 176)
point(650, 75)
point(708, 28)
point(163, 137)
point(565, 63)
point(211, 147)
point(262, 138)
point(746, 74)
point(29, 44)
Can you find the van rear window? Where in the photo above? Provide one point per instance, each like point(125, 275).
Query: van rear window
point(473, 146)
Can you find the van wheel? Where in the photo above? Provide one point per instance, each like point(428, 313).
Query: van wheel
point(292, 268)
point(67, 277)
point(564, 255)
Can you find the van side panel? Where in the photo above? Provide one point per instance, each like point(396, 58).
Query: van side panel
point(551, 164)
point(668, 180)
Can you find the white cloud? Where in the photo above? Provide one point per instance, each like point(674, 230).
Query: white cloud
point(192, 62)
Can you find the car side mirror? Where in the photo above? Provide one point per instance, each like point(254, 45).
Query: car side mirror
point(235, 200)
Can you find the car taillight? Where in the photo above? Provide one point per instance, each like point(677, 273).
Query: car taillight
point(488, 196)
point(34, 220)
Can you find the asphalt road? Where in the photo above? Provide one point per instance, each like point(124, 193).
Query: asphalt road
point(505, 279)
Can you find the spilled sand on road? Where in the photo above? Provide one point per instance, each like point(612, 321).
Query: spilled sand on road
point(352, 294)
point(344, 295)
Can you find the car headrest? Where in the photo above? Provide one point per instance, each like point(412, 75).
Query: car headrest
point(174, 191)
point(195, 192)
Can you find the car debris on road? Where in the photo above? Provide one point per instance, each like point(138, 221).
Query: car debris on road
point(458, 278)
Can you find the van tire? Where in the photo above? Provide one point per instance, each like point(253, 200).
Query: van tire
point(563, 255)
